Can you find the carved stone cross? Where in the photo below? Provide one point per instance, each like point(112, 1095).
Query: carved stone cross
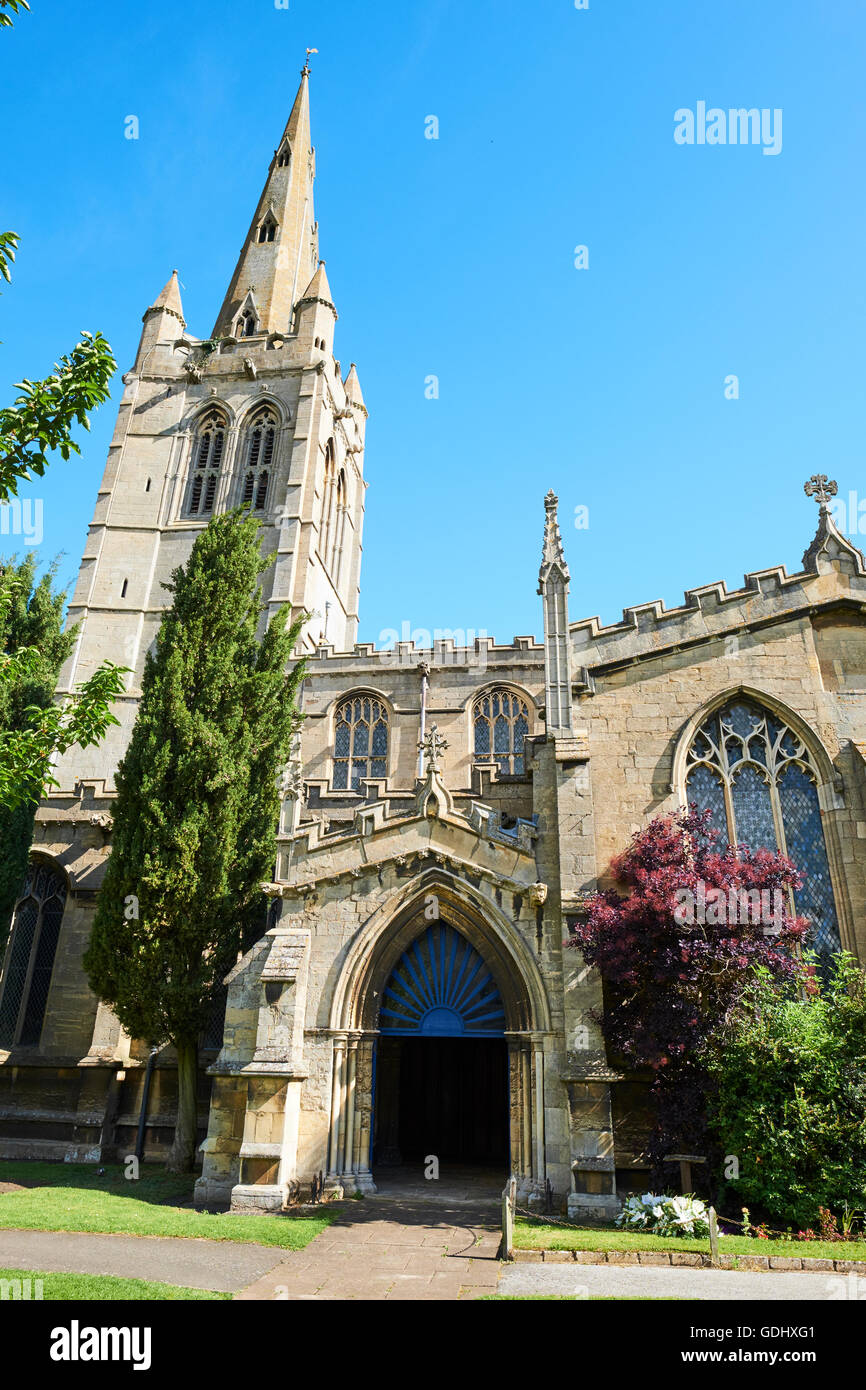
point(432, 745)
point(821, 488)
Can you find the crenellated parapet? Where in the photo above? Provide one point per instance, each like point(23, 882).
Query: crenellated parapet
point(834, 573)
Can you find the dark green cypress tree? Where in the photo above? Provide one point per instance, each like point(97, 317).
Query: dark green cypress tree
point(198, 805)
point(33, 618)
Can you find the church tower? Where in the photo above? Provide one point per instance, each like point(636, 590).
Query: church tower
point(257, 415)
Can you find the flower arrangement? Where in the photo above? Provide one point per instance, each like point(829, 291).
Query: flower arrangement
point(665, 1216)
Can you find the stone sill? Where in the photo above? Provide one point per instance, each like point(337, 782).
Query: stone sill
point(691, 1258)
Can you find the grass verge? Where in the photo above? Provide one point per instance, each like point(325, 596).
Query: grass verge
point(74, 1197)
point(532, 1235)
point(98, 1287)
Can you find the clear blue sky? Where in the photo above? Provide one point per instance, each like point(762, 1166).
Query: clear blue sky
point(456, 258)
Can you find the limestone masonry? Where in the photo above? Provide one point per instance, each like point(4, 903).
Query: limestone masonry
point(411, 996)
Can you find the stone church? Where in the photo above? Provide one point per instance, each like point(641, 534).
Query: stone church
point(448, 809)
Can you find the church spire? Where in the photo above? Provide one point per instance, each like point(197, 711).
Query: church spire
point(280, 253)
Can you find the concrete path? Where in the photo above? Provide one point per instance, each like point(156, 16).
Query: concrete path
point(389, 1250)
point(646, 1281)
point(222, 1265)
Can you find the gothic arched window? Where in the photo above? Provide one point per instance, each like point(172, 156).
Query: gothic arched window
point(268, 229)
point(207, 453)
point(759, 782)
point(260, 446)
point(360, 742)
point(501, 723)
point(284, 158)
point(30, 955)
point(247, 325)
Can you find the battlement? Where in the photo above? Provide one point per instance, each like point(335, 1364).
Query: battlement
point(482, 652)
point(834, 572)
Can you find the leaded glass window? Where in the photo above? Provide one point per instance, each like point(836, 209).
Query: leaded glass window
point(360, 742)
point(501, 723)
point(260, 446)
point(759, 782)
point(207, 455)
point(30, 955)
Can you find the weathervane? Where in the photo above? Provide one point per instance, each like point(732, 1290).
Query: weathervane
point(821, 488)
point(307, 59)
point(431, 746)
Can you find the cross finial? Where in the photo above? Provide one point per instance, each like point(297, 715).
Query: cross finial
point(431, 746)
point(821, 488)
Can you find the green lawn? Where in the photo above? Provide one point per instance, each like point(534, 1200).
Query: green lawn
point(532, 1235)
point(63, 1287)
point(72, 1197)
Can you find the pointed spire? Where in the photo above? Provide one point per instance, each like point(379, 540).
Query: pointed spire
point(552, 553)
point(553, 581)
point(169, 299)
point(281, 249)
point(352, 386)
point(318, 288)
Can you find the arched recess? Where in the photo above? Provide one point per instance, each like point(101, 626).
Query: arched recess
point(354, 1019)
point(27, 970)
point(373, 955)
point(253, 406)
point(826, 780)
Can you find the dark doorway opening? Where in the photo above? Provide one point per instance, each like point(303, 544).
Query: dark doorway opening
point(446, 1097)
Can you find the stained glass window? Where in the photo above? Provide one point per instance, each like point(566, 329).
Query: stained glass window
point(207, 455)
point(758, 780)
point(32, 946)
point(360, 742)
point(501, 722)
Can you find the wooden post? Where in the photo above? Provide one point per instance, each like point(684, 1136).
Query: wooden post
point(509, 1202)
point(685, 1161)
point(714, 1237)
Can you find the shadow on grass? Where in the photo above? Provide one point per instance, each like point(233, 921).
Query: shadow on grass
point(153, 1184)
point(88, 1198)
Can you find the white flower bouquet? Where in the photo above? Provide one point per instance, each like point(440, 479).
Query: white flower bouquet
point(665, 1216)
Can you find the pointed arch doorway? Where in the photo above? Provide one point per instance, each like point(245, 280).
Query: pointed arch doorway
point(442, 1076)
point(365, 1101)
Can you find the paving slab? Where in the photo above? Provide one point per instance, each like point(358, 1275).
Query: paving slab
point(399, 1250)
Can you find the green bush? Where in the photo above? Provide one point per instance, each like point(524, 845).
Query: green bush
point(791, 1103)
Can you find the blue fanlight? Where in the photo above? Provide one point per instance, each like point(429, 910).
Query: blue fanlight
point(441, 988)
